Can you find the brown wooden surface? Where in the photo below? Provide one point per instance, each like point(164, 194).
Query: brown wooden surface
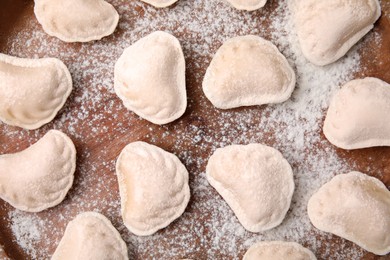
point(98, 145)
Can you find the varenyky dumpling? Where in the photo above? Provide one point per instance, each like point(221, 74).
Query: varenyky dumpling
point(359, 115)
point(356, 207)
point(328, 29)
point(91, 236)
point(160, 3)
point(256, 181)
point(76, 20)
point(247, 71)
point(278, 250)
point(153, 187)
point(248, 5)
point(150, 78)
point(32, 91)
point(40, 176)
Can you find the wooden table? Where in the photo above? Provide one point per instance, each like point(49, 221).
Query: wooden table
point(100, 127)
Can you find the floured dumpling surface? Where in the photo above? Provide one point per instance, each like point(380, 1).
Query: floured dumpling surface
point(248, 5)
point(278, 250)
point(356, 207)
point(153, 186)
point(328, 29)
point(32, 91)
point(150, 78)
point(359, 115)
point(76, 20)
point(40, 176)
point(255, 180)
point(91, 236)
point(247, 71)
point(160, 3)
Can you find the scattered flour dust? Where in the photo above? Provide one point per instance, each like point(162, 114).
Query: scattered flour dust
point(27, 230)
point(208, 229)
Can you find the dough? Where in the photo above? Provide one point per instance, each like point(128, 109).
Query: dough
point(153, 186)
point(76, 20)
point(278, 250)
point(248, 5)
point(356, 207)
point(40, 176)
point(247, 71)
point(160, 3)
point(359, 115)
point(32, 91)
point(91, 236)
point(256, 181)
point(328, 29)
point(150, 78)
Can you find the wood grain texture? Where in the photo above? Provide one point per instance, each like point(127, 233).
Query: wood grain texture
point(98, 145)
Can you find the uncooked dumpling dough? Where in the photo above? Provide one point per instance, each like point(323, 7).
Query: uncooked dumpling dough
point(91, 236)
point(356, 207)
point(278, 250)
point(150, 78)
point(153, 186)
point(160, 3)
point(359, 115)
point(248, 5)
point(76, 20)
point(256, 181)
point(32, 91)
point(328, 29)
point(40, 176)
point(247, 71)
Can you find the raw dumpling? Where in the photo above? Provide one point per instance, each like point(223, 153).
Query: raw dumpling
point(256, 181)
point(150, 78)
point(153, 186)
point(278, 250)
point(91, 236)
point(32, 91)
point(328, 29)
point(40, 176)
point(76, 20)
point(247, 71)
point(248, 5)
point(3, 255)
point(359, 115)
point(356, 207)
point(160, 3)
